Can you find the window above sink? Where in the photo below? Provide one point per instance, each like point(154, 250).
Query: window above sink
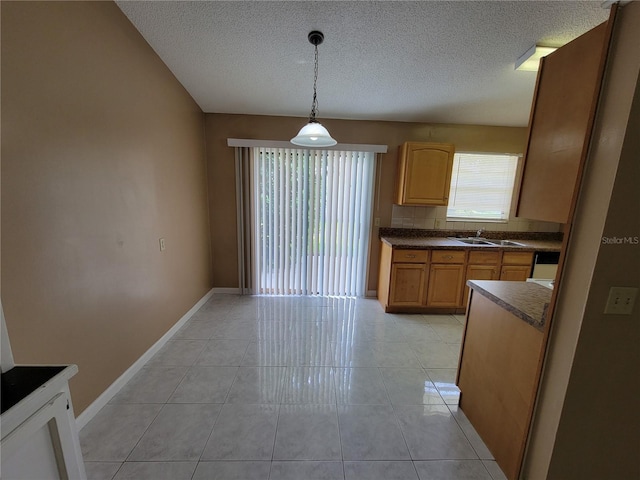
point(482, 187)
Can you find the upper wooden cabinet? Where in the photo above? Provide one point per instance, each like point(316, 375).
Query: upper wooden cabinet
point(560, 126)
point(424, 173)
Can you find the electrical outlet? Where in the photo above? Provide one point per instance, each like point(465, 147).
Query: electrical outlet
point(162, 246)
point(621, 300)
point(439, 223)
point(376, 222)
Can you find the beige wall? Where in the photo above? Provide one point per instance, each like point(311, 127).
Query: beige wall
point(220, 160)
point(586, 423)
point(102, 154)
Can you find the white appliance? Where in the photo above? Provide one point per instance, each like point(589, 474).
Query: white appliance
point(545, 267)
point(545, 264)
point(39, 435)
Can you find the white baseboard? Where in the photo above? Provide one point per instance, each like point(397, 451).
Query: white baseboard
point(115, 387)
point(233, 291)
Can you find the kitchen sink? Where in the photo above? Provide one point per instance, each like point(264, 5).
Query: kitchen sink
point(508, 243)
point(472, 241)
point(484, 241)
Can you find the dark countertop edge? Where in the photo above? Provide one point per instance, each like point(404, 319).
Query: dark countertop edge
point(443, 243)
point(22, 382)
point(538, 322)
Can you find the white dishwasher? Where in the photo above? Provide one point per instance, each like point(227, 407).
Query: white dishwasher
point(545, 265)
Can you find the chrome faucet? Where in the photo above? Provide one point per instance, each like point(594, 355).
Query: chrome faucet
point(479, 233)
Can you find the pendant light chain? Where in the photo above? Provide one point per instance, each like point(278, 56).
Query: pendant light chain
point(313, 134)
point(314, 103)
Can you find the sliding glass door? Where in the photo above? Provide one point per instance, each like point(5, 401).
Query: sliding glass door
point(311, 221)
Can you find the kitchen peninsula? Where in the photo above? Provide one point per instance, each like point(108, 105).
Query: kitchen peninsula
point(499, 368)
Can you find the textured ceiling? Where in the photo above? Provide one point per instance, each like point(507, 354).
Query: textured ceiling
point(424, 61)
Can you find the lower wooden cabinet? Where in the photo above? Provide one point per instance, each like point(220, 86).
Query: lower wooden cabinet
point(479, 272)
point(516, 266)
point(445, 285)
point(482, 265)
point(432, 280)
point(408, 282)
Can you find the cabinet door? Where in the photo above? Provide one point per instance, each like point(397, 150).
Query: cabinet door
point(407, 284)
point(517, 273)
point(560, 126)
point(424, 173)
point(479, 272)
point(445, 285)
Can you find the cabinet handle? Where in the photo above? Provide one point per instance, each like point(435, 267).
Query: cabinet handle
point(448, 257)
point(410, 255)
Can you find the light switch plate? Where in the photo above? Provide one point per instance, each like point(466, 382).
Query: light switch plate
point(621, 300)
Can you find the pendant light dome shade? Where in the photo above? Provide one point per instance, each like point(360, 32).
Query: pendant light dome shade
point(313, 134)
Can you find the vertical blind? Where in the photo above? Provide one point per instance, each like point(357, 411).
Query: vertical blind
point(311, 220)
point(482, 186)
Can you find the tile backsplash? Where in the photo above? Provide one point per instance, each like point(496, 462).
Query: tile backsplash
point(435, 218)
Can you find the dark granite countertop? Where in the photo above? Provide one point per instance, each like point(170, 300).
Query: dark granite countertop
point(449, 244)
point(22, 380)
point(527, 301)
point(414, 239)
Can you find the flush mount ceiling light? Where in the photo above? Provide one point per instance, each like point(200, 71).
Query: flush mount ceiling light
point(313, 134)
point(530, 60)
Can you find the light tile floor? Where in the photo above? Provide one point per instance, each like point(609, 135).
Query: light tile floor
point(297, 388)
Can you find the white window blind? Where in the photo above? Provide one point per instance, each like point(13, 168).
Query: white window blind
point(481, 186)
point(311, 221)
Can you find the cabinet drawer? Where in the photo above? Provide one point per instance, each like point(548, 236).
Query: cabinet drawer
point(448, 256)
point(484, 258)
point(410, 256)
point(517, 258)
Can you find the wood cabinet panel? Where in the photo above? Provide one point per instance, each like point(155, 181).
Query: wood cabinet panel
point(516, 266)
point(560, 126)
point(445, 285)
point(384, 274)
point(498, 375)
point(424, 173)
point(410, 256)
point(448, 256)
point(515, 273)
point(407, 284)
point(517, 258)
point(478, 272)
point(484, 258)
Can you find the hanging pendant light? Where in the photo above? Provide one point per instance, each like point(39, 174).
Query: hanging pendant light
point(313, 134)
